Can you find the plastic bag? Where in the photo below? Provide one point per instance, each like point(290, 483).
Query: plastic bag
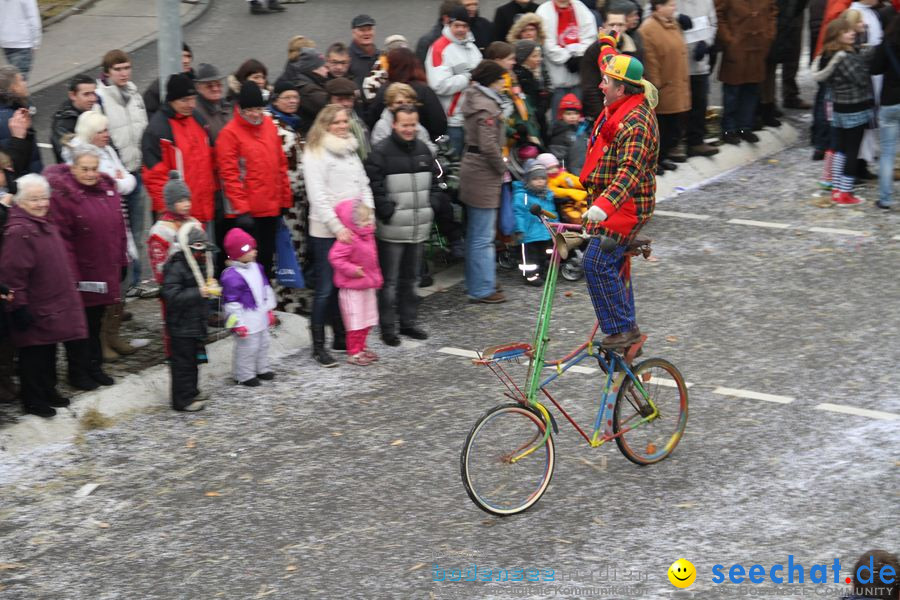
point(287, 269)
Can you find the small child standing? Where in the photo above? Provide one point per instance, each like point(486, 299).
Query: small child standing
point(161, 238)
point(357, 277)
point(565, 128)
point(535, 237)
point(185, 292)
point(249, 301)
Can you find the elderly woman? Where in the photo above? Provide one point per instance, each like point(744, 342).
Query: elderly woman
point(45, 308)
point(92, 129)
point(333, 172)
point(87, 210)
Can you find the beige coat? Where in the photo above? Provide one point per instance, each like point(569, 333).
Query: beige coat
point(666, 64)
point(481, 172)
point(746, 31)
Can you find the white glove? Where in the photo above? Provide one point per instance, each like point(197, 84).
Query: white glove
point(372, 84)
point(594, 214)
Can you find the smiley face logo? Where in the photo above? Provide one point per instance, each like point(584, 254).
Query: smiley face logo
point(682, 573)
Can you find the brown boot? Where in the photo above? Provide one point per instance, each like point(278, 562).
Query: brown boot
point(621, 340)
point(112, 320)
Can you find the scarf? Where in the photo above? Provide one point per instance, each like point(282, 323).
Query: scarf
point(291, 121)
point(605, 129)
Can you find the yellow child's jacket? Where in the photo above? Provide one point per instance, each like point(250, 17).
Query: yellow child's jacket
point(566, 187)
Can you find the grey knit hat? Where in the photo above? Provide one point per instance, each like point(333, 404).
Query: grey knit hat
point(524, 48)
point(534, 169)
point(309, 60)
point(175, 190)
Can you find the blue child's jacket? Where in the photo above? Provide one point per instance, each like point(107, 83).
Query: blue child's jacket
point(527, 224)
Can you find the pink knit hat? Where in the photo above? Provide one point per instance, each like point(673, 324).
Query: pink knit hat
point(238, 243)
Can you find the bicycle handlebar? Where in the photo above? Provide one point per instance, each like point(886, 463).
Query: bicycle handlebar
point(537, 211)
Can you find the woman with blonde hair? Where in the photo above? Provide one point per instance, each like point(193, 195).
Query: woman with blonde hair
point(296, 45)
point(92, 129)
point(397, 95)
point(333, 173)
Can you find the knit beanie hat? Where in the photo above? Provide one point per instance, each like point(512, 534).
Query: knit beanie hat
point(280, 88)
point(487, 72)
point(568, 102)
point(179, 86)
point(524, 48)
point(309, 60)
point(238, 243)
point(550, 162)
point(534, 169)
point(175, 190)
point(250, 96)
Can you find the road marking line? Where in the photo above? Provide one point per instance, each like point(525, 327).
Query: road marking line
point(896, 238)
point(665, 382)
point(459, 352)
point(768, 224)
point(861, 412)
point(681, 215)
point(724, 391)
point(839, 231)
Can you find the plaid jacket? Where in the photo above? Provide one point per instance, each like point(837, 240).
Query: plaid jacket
point(623, 183)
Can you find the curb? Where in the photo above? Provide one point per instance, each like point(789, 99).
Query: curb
point(81, 6)
point(699, 170)
point(145, 391)
point(197, 11)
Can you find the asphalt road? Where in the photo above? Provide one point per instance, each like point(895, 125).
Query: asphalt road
point(344, 483)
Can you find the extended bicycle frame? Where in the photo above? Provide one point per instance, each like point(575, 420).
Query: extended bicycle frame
point(614, 365)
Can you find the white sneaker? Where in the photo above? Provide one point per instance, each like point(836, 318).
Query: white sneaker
point(195, 406)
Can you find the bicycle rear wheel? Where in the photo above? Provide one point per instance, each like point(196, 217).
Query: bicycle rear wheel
point(650, 442)
point(495, 484)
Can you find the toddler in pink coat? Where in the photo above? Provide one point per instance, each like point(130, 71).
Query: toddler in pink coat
point(357, 277)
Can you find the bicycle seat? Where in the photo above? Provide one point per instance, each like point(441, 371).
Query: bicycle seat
point(566, 242)
point(504, 352)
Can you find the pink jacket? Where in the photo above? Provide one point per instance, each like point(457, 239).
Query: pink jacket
point(361, 252)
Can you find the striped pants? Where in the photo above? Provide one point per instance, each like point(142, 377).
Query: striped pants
point(611, 295)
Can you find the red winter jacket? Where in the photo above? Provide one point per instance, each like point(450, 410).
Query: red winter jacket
point(253, 168)
point(172, 141)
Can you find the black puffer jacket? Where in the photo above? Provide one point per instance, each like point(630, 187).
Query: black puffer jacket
point(64, 121)
point(186, 309)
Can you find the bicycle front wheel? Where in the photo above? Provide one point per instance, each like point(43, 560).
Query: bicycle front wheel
point(495, 483)
point(650, 441)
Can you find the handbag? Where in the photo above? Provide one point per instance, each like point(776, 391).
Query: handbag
point(287, 269)
point(506, 220)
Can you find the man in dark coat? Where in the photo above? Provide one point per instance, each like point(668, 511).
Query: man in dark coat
point(363, 52)
point(82, 97)
point(308, 74)
point(152, 98)
point(482, 29)
point(507, 14)
point(785, 51)
point(17, 137)
point(431, 37)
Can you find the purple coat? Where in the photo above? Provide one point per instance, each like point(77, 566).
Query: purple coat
point(361, 252)
point(236, 289)
point(91, 224)
point(33, 263)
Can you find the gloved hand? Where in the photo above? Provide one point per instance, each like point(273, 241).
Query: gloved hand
point(461, 68)
point(385, 210)
point(685, 22)
point(594, 214)
point(240, 331)
point(22, 319)
point(573, 65)
point(700, 50)
point(272, 319)
point(245, 221)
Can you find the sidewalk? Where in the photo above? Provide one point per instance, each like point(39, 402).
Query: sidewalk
point(78, 42)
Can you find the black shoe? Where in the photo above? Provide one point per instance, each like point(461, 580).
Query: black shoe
point(269, 376)
point(390, 339)
point(58, 401)
point(862, 171)
point(414, 333)
point(340, 343)
point(83, 383)
point(426, 281)
point(258, 9)
point(677, 157)
point(748, 136)
point(660, 170)
point(731, 137)
point(771, 121)
point(275, 6)
point(777, 112)
point(668, 165)
point(100, 377)
point(321, 356)
point(818, 155)
point(883, 206)
point(40, 411)
point(254, 382)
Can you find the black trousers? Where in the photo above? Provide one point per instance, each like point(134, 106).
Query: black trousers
point(670, 129)
point(184, 370)
point(536, 254)
point(397, 297)
point(848, 142)
point(264, 229)
point(696, 120)
point(85, 356)
point(37, 375)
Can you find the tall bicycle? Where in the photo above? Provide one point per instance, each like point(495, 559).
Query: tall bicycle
point(509, 455)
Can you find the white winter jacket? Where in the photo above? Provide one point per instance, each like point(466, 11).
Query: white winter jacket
point(385, 126)
point(332, 174)
point(449, 65)
point(556, 55)
point(109, 164)
point(703, 14)
point(127, 121)
point(20, 24)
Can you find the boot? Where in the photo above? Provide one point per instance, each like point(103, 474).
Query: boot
point(7, 369)
point(112, 321)
point(340, 334)
point(320, 354)
point(109, 355)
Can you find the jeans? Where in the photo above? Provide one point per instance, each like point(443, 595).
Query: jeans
point(136, 209)
point(481, 225)
point(325, 296)
point(457, 137)
point(888, 130)
point(739, 106)
point(696, 122)
point(20, 58)
point(400, 268)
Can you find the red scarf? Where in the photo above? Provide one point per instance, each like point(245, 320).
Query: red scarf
point(605, 128)
point(566, 26)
